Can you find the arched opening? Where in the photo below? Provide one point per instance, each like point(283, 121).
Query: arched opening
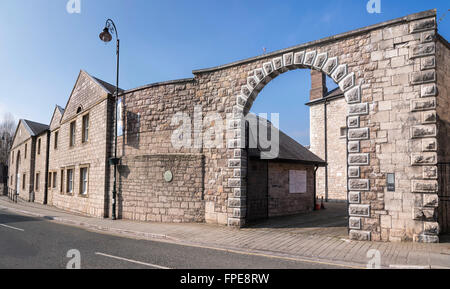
point(287, 191)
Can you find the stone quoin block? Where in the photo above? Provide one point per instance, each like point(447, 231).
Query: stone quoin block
point(354, 172)
point(252, 82)
point(428, 63)
point(359, 185)
point(424, 214)
point(358, 109)
point(234, 163)
point(339, 73)
point(422, 25)
point(427, 239)
point(360, 235)
point(348, 82)
point(424, 186)
point(422, 50)
point(355, 223)
point(277, 63)
point(320, 60)
point(358, 159)
point(428, 36)
point(424, 131)
point(246, 91)
point(268, 68)
point(423, 104)
point(259, 73)
point(354, 197)
point(430, 172)
point(359, 210)
point(288, 59)
point(358, 133)
point(299, 57)
point(423, 159)
point(423, 77)
point(429, 145)
point(431, 228)
point(429, 117)
point(236, 202)
point(353, 122)
point(309, 58)
point(330, 65)
point(430, 200)
point(353, 147)
point(241, 100)
point(353, 95)
point(234, 183)
point(428, 90)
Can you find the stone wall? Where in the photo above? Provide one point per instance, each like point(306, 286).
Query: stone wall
point(150, 126)
point(147, 194)
point(336, 146)
point(281, 201)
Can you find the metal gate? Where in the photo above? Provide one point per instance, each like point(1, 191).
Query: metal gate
point(444, 197)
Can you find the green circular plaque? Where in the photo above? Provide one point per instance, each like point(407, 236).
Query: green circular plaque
point(168, 176)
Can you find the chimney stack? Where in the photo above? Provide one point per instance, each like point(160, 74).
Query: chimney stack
point(318, 85)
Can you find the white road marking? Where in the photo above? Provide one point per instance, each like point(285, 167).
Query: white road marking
point(132, 261)
point(14, 228)
point(412, 267)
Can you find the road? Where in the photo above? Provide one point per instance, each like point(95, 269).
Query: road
point(33, 243)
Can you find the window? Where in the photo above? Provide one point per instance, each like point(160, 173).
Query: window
point(12, 159)
point(39, 147)
point(24, 181)
point(49, 180)
point(61, 185)
point(56, 139)
point(70, 181)
point(54, 180)
point(25, 153)
point(83, 181)
point(85, 134)
point(72, 134)
point(37, 182)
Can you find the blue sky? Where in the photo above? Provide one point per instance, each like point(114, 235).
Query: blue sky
point(42, 47)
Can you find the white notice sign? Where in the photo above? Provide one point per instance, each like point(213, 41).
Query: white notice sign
point(297, 182)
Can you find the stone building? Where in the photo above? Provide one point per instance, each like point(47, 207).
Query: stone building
point(283, 185)
point(328, 127)
point(28, 162)
point(394, 77)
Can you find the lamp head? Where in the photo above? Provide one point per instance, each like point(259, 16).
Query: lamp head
point(105, 36)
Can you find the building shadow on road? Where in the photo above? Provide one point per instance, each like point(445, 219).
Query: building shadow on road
point(331, 221)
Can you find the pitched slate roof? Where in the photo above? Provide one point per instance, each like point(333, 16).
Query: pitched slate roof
point(34, 128)
point(289, 149)
point(61, 110)
point(108, 86)
point(334, 94)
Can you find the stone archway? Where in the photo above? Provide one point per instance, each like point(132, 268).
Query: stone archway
point(388, 75)
point(304, 59)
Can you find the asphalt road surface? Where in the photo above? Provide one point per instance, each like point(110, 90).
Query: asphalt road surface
point(33, 243)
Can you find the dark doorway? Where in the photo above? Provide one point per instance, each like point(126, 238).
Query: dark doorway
point(257, 194)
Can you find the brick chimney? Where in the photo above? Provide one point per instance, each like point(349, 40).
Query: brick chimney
point(318, 85)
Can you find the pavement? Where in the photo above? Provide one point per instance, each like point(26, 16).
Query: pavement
point(318, 240)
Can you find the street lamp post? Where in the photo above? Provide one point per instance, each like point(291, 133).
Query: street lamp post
point(106, 37)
